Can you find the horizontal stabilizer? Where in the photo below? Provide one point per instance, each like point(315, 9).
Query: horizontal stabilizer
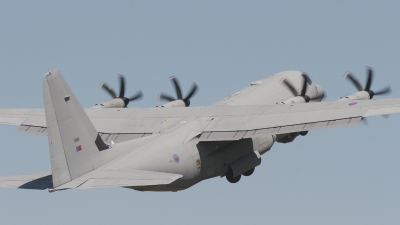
point(38, 181)
point(120, 178)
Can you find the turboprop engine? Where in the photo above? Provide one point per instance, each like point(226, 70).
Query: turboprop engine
point(364, 93)
point(120, 100)
point(176, 103)
point(301, 96)
point(361, 95)
point(114, 103)
point(179, 101)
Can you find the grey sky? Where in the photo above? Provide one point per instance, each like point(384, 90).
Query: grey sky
point(340, 176)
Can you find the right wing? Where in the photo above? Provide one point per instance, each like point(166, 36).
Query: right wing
point(282, 119)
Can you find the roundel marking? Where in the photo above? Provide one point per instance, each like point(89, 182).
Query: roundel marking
point(176, 158)
point(352, 103)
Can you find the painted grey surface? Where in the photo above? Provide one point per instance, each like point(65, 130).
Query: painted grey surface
point(39, 181)
point(79, 159)
point(333, 176)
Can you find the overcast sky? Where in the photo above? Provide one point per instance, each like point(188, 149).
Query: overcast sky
point(344, 175)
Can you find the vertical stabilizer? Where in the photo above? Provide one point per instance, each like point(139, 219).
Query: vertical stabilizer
point(73, 140)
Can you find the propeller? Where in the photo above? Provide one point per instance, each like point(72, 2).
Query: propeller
point(303, 91)
point(367, 88)
point(179, 96)
point(121, 95)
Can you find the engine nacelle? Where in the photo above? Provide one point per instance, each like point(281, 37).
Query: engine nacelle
point(176, 103)
point(263, 144)
point(361, 95)
point(114, 103)
point(294, 100)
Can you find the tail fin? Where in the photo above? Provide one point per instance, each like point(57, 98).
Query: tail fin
point(73, 140)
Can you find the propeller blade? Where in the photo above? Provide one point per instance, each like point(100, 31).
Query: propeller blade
point(136, 96)
point(354, 80)
point(192, 91)
point(122, 85)
point(165, 97)
point(177, 87)
point(369, 79)
point(290, 86)
point(304, 88)
point(325, 95)
point(384, 91)
point(108, 89)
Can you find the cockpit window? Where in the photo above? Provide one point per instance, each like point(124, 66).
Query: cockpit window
point(309, 81)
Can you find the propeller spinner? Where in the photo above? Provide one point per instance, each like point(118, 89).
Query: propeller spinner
point(367, 88)
point(121, 95)
point(179, 96)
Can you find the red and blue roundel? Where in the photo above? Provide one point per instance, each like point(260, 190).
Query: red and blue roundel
point(352, 103)
point(176, 158)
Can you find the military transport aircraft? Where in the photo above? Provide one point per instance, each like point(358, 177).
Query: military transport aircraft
point(173, 147)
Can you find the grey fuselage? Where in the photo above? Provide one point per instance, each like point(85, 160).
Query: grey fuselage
point(178, 150)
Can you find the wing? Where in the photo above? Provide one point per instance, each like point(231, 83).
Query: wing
point(236, 121)
point(296, 118)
